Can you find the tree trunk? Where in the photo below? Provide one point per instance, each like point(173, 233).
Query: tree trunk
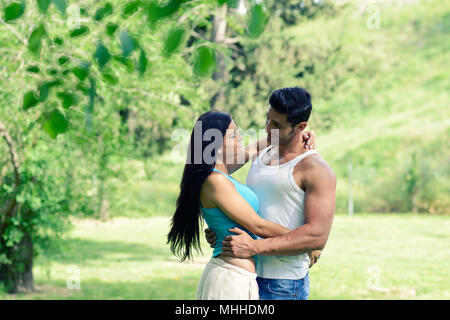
point(19, 272)
point(17, 269)
point(104, 210)
point(219, 35)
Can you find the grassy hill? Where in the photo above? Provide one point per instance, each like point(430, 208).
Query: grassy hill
point(394, 115)
point(386, 94)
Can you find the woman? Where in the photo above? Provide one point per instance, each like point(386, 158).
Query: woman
point(208, 190)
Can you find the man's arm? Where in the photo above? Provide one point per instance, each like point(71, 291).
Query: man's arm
point(319, 182)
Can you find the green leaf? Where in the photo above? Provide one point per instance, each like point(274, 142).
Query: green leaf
point(111, 28)
point(14, 236)
point(68, 99)
point(155, 12)
point(142, 63)
point(35, 39)
point(33, 69)
point(127, 42)
point(14, 11)
point(130, 8)
point(52, 71)
point(44, 91)
point(173, 41)
point(78, 31)
point(58, 41)
point(127, 62)
point(110, 78)
point(55, 124)
point(82, 71)
point(204, 61)
point(257, 21)
point(102, 55)
point(82, 88)
point(43, 5)
point(29, 100)
point(61, 5)
point(62, 60)
point(44, 88)
point(104, 11)
point(231, 3)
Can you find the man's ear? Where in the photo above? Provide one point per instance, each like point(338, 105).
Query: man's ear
point(300, 127)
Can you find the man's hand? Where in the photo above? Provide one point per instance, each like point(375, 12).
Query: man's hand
point(210, 237)
point(314, 257)
point(309, 140)
point(239, 246)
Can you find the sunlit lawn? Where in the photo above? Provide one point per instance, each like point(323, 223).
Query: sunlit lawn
point(378, 256)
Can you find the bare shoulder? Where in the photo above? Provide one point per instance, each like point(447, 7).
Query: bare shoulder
point(314, 160)
point(315, 168)
point(209, 192)
point(216, 181)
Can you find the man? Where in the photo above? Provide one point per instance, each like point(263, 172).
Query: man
point(297, 190)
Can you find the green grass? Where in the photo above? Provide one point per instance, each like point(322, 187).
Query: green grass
point(376, 256)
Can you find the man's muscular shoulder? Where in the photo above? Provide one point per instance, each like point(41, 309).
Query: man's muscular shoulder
point(311, 168)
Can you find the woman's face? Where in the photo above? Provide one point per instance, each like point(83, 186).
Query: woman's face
point(232, 144)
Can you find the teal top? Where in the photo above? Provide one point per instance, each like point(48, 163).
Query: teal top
point(219, 222)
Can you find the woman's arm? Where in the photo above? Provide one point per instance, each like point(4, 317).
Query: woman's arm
point(254, 149)
point(224, 195)
point(251, 151)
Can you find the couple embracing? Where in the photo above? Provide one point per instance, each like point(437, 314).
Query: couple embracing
point(268, 232)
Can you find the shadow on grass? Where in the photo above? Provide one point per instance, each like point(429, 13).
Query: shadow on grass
point(81, 251)
point(78, 250)
point(155, 289)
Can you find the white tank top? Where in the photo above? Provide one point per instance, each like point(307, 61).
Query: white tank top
point(281, 201)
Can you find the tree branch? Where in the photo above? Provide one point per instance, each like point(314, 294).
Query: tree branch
point(11, 28)
point(231, 40)
point(15, 162)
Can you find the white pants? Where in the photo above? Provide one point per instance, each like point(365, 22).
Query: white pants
point(223, 281)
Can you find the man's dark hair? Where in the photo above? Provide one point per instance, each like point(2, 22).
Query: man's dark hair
point(295, 102)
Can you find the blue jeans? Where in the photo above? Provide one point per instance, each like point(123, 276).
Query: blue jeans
point(283, 289)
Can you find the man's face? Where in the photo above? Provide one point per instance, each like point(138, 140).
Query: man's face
point(278, 128)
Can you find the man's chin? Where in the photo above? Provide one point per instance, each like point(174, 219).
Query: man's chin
point(272, 141)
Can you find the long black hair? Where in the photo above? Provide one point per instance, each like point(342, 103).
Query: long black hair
point(184, 231)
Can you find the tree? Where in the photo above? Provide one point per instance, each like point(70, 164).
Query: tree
point(104, 81)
